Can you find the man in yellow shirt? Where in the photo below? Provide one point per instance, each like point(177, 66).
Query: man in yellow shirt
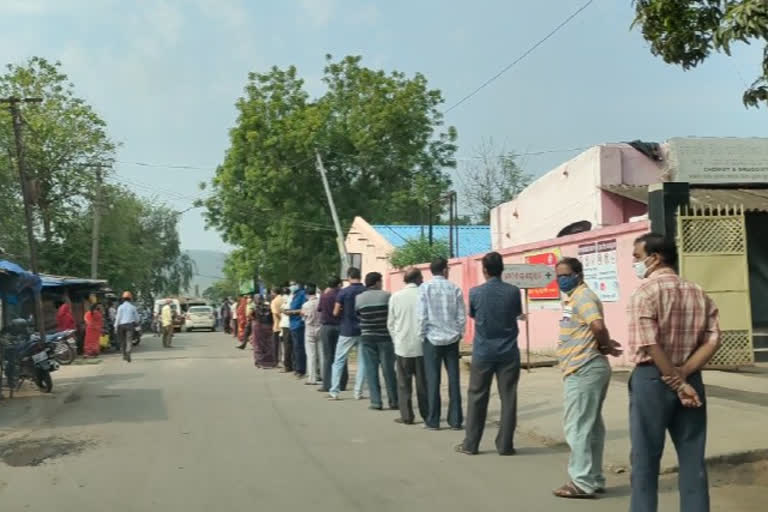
point(166, 320)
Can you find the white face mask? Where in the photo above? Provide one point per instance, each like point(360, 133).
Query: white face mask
point(640, 269)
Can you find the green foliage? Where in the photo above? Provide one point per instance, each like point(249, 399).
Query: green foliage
point(491, 178)
point(64, 138)
point(686, 32)
point(418, 250)
point(378, 135)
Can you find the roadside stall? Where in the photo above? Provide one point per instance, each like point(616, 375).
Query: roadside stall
point(75, 291)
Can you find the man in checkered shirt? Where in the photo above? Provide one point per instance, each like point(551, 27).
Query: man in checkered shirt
point(673, 333)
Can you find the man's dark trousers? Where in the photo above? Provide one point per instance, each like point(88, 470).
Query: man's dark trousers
point(434, 357)
point(329, 337)
point(287, 349)
point(480, 379)
point(299, 351)
point(408, 370)
point(653, 409)
point(276, 345)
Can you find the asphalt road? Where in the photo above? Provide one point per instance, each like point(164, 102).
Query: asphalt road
point(198, 428)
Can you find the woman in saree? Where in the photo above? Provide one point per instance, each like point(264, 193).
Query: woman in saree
point(242, 320)
point(94, 323)
point(261, 334)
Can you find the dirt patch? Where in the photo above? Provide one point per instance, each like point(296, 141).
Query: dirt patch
point(33, 452)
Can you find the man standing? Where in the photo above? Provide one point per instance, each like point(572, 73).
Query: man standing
point(276, 307)
point(403, 325)
point(125, 320)
point(673, 333)
point(285, 330)
point(496, 307)
point(312, 324)
point(298, 298)
point(226, 316)
point(442, 317)
point(372, 308)
point(166, 320)
point(584, 341)
point(349, 335)
point(329, 334)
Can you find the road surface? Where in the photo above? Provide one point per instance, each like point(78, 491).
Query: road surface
point(198, 428)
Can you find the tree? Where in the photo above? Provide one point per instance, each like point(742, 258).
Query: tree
point(64, 137)
point(380, 139)
point(417, 251)
point(686, 32)
point(491, 178)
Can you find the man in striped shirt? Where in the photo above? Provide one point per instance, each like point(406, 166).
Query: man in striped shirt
point(673, 333)
point(372, 307)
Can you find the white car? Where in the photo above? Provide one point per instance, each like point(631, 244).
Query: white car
point(200, 317)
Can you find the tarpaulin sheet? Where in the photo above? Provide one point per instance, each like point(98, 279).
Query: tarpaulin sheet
point(21, 278)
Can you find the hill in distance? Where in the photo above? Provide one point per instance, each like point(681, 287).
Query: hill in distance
point(209, 268)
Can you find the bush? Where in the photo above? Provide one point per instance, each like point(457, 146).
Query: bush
point(418, 250)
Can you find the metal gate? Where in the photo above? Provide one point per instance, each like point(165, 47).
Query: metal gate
point(712, 242)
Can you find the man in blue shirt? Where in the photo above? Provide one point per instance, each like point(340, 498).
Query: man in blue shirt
point(349, 335)
point(125, 320)
point(496, 307)
point(298, 298)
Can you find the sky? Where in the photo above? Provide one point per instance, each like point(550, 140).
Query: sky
point(165, 74)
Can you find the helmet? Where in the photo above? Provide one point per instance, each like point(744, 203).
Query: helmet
point(127, 295)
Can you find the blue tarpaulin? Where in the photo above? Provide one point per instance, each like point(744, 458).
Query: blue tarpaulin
point(23, 279)
point(56, 281)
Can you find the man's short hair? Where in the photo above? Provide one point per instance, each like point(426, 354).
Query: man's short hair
point(493, 264)
point(438, 265)
point(572, 263)
point(334, 282)
point(659, 244)
point(412, 276)
point(372, 279)
point(353, 273)
point(311, 288)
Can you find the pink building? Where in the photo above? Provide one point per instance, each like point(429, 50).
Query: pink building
point(575, 194)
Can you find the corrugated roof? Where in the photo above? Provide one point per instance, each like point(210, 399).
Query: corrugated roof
point(752, 199)
point(50, 281)
point(472, 239)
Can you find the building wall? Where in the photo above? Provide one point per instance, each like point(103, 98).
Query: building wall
point(373, 248)
point(544, 316)
point(571, 193)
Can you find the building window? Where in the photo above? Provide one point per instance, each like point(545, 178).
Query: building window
point(356, 260)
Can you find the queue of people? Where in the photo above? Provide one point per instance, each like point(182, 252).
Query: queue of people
point(409, 336)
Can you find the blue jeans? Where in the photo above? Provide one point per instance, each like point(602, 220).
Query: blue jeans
point(434, 357)
point(585, 391)
point(345, 344)
point(380, 353)
point(654, 409)
point(299, 352)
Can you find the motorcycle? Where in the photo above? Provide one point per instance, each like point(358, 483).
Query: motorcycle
point(64, 345)
point(26, 357)
point(136, 337)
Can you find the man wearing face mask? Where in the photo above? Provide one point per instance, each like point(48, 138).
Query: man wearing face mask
point(673, 333)
point(584, 342)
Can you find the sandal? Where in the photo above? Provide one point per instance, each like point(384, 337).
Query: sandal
point(571, 491)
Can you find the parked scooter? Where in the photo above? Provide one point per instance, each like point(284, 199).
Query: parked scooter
point(64, 345)
point(26, 357)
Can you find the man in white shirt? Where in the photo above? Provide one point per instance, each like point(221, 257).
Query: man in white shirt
point(442, 319)
point(312, 325)
point(166, 321)
point(125, 320)
point(285, 328)
point(403, 326)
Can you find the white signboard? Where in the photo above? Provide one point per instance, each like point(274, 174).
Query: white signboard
point(526, 276)
point(600, 271)
point(715, 160)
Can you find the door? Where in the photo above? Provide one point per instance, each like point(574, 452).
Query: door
point(712, 243)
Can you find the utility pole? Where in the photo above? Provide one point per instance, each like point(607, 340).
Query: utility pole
point(339, 235)
point(13, 107)
point(96, 206)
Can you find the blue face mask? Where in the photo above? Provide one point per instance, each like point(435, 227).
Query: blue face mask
point(568, 283)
